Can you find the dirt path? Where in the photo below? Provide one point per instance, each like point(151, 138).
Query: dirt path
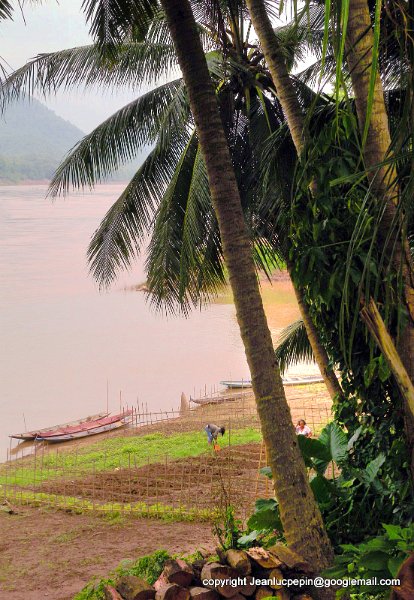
point(53, 555)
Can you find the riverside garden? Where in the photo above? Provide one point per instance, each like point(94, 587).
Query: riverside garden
point(280, 136)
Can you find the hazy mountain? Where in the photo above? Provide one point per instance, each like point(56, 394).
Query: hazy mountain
point(33, 140)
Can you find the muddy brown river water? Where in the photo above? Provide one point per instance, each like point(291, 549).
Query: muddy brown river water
point(63, 341)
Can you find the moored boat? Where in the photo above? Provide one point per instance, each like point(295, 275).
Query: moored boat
point(214, 399)
point(32, 435)
point(287, 380)
point(94, 427)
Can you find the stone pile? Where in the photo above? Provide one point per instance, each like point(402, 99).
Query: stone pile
point(254, 574)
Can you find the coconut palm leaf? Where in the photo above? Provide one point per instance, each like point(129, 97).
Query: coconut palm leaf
point(111, 22)
point(293, 346)
point(134, 64)
point(6, 9)
point(118, 240)
point(116, 141)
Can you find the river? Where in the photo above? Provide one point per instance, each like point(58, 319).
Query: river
point(64, 343)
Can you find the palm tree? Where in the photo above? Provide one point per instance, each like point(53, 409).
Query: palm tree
point(243, 62)
point(295, 496)
point(279, 436)
point(362, 59)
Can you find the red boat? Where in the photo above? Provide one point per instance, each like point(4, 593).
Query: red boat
point(32, 435)
point(87, 428)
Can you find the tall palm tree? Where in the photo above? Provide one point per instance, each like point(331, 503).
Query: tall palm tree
point(302, 521)
point(373, 122)
point(279, 436)
point(61, 68)
point(362, 58)
point(293, 111)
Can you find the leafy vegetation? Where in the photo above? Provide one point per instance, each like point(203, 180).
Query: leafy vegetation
point(148, 568)
point(353, 500)
point(380, 557)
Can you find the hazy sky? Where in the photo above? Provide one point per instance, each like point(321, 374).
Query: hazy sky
point(55, 26)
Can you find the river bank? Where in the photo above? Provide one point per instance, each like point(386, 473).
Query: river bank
point(94, 496)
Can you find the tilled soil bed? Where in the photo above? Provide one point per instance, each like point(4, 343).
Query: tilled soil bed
point(194, 482)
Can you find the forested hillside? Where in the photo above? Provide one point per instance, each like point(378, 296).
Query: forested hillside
point(33, 140)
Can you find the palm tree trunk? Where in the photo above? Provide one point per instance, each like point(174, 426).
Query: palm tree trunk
point(318, 349)
point(293, 111)
point(384, 182)
point(300, 514)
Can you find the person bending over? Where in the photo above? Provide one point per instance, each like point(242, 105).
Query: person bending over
point(213, 432)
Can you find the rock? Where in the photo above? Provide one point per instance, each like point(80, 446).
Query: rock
point(239, 560)
point(202, 593)
point(134, 588)
point(263, 592)
point(172, 591)
point(249, 588)
point(212, 571)
point(178, 571)
point(111, 593)
point(276, 575)
point(264, 558)
point(289, 558)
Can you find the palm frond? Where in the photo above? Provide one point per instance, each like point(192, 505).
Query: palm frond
point(113, 21)
point(116, 141)
point(185, 263)
point(293, 346)
point(133, 64)
point(6, 9)
point(117, 241)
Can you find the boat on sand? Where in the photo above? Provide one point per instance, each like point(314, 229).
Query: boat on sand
point(85, 429)
point(32, 435)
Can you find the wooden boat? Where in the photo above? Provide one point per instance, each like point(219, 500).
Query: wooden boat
point(288, 380)
point(88, 428)
point(243, 383)
point(215, 399)
point(31, 435)
point(246, 383)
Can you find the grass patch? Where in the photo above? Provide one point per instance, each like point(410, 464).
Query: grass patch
point(116, 452)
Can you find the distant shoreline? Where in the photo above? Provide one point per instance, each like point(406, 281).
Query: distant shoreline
point(28, 182)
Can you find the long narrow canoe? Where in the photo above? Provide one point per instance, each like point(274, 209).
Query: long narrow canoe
point(288, 380)
point(86, 429)
point(32, 435)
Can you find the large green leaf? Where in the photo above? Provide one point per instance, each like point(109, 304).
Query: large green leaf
point(336, 442)
point(313, 448)
point(266, 516)
point(322, 489)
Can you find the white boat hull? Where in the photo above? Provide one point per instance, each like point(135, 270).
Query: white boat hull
point(288, 380)
point(64, 437)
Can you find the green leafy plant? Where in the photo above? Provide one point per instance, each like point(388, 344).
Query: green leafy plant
point(264, 526)
point(349, 498)
point(380, 557)
point(147, 567)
